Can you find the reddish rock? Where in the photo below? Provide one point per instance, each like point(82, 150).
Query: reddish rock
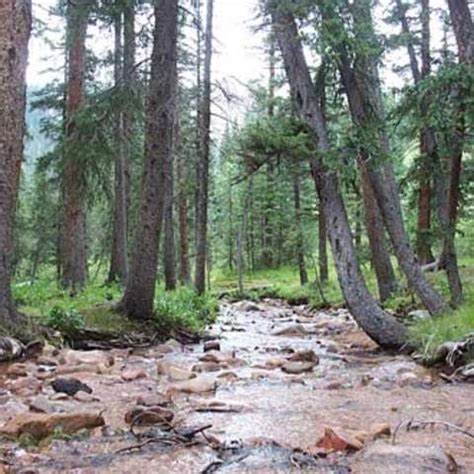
point(336, 440)
point(304, 356)
point(149, 416)
point(129, 375)
point(208, 367)
point(174, 372)
point(156, 399)
point(298, 367)
point(41, 425)
point(17, 370)
point(196, 385)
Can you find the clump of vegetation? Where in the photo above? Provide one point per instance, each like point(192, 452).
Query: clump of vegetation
point(428, 335)
point(184, 309)
point(65, 320)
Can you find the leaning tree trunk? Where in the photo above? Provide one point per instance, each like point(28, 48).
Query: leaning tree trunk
point(119, 262)
point(74, 254)
point(386, 281)
point(15, 27)
point(380, 326)
point(204, 158)
point(362, 87)
point(137, 302)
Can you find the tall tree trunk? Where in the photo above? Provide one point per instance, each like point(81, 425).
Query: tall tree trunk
point(137, 302)
point(299, 229)
point(463, 27)
point(15, 27)
point(322, 245)
point(386, 281)
point(267, 228)
point(380, 326)
point(181, 175)
point(204, 158)
point(362, 86)
point(119, 262)
point(74, 252)
point(169, 258)
point(423, 242)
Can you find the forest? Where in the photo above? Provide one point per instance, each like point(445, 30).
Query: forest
point(202, 272)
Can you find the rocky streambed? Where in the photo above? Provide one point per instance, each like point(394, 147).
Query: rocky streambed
point(272, 388)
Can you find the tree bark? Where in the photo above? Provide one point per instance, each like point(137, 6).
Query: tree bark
point(322, 245)
point(181, 171)
point(362, 87)
point(299, 230)
point(15, 28)
point(463, 27)
point(386, 281)
point(137, 302)
point(380, 326)
point(119, 262)
point(204, 158)
point(74, 250)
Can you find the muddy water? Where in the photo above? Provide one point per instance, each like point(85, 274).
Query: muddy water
point(277, 417)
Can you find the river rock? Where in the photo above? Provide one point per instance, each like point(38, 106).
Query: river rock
point(212, 346)
point(79, 368)
point(143, 416)
point(219, 406)
point(10, 349)
point(41, 404)
point(394, 459)
point(208, 367)
point(336, 440)
point(96, 358)
point(294, 330)
point(17, 370)
point(40, 425)
point(197, 385)
point(298, 367)
point(223, 358)
point(25, 386)
point(174, 372)
point(304, 356)
point(153, 399)
point(130, 374)
point(247, 306)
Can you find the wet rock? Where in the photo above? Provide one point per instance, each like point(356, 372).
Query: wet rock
point(196, 385)
point(393, 459)
point(79, 368)
point(10, 349)
point(227, 358)
point(40, 425)
point(208, 367)
point(228, 376)
point(304, 356)
point(336, 440)
point(17, 370)
point(48, 361)
point(294, 330)
point(129, 374)
point(70, 386)
point(298, 367)
point(41, 404)
point(155, 399)
point(97, 358)
point(271, 364)
point(219, 406)
point(173, 372)
point(212, 346)
point(144, 416)
point(247, 306)
point(25, 386)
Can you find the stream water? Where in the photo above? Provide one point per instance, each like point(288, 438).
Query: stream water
point(266, 412)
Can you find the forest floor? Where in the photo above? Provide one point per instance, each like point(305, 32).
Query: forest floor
point(272, 388)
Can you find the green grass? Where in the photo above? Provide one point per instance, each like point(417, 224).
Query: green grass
point(93, 308)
